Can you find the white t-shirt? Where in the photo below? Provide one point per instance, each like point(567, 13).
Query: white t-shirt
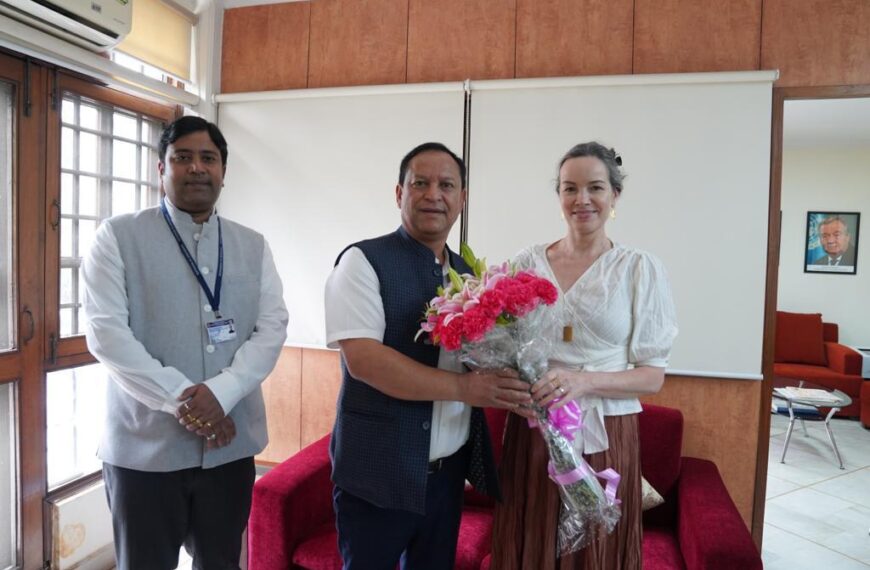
point(354, 309)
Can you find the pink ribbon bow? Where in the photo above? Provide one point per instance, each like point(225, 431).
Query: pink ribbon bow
point(567, 419)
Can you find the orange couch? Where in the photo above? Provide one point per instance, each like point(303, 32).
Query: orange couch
point(865, 404)
point(807, 349)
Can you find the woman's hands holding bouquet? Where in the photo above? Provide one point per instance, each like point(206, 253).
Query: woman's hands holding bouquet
point(558, 386)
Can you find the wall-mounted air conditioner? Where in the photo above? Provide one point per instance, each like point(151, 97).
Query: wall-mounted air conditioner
point(94, 24)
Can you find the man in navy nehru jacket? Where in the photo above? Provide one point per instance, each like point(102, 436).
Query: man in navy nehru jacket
point(407, 432)
point(185, 310)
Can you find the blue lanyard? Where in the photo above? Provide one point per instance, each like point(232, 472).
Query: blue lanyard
point(213, 299)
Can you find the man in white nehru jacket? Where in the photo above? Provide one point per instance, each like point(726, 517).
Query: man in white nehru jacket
point(185, 310)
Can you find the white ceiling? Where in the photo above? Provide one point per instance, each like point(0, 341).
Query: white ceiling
point(838, 123)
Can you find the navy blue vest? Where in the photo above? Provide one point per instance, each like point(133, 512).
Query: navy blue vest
point(380, 444)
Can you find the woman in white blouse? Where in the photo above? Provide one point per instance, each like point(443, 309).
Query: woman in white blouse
point(618, 325)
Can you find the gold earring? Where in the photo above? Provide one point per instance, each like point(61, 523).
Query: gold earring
point(612, 213)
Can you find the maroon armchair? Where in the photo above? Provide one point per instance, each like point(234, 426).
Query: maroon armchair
point(698, 527)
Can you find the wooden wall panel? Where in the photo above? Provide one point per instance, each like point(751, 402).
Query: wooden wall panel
point(282, 394)
point(721, 424)
point(321, 381)
point(452, 40)
point(362, 42)
point(676, 36)
point(574, 37)
point(265, 47)
point(358, 42)
point(817, 42)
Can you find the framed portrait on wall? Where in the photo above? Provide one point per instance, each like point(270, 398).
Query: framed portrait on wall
point(832, 242)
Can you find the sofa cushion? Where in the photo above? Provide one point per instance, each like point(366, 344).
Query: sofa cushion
point(661, 551)
point(650, 498)
point(800, 338)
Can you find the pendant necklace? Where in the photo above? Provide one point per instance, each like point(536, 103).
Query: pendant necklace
point(568, 329)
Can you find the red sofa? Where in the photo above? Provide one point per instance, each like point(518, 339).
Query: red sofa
point(865, 404)
point(698, 527)
point(807, 349)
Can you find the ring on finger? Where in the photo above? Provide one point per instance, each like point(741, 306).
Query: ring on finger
point(190, 418)
point(211, 436)
point(186, 407)
point(208, 425)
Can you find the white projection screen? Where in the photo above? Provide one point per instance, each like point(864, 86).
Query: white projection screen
point(316, 170)
point(696, 151)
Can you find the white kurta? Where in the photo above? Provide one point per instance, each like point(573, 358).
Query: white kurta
point(623, 316)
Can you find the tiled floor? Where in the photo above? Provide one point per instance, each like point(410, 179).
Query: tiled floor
point(817, 515)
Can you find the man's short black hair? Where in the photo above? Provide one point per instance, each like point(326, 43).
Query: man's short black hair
point(425, 147)
point(189, 124)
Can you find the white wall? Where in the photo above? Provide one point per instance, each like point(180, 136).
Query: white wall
point(826, 180)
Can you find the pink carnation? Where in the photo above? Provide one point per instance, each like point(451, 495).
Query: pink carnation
point(492, 303)
point(546, 291)
point(475, 325)
point(451, 335)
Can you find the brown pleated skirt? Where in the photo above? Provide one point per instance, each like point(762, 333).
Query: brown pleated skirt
point(525, 527)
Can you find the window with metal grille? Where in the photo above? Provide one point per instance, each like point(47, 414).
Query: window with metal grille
point(108, 167)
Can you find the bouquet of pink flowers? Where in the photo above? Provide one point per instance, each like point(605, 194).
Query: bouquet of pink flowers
point(497, 319)
point(472, 305)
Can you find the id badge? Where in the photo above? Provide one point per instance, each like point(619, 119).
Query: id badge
point(221, 331)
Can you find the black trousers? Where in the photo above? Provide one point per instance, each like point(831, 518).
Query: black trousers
point(373, 538)
point(154, 514)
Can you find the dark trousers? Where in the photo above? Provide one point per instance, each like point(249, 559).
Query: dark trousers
point(154, 514)
point(372, 538)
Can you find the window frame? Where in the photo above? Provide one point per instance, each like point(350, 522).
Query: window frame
point(104, 180)
point(21, 366)
point(72, 351)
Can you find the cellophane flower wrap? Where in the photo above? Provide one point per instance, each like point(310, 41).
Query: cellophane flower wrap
point(497, 318)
